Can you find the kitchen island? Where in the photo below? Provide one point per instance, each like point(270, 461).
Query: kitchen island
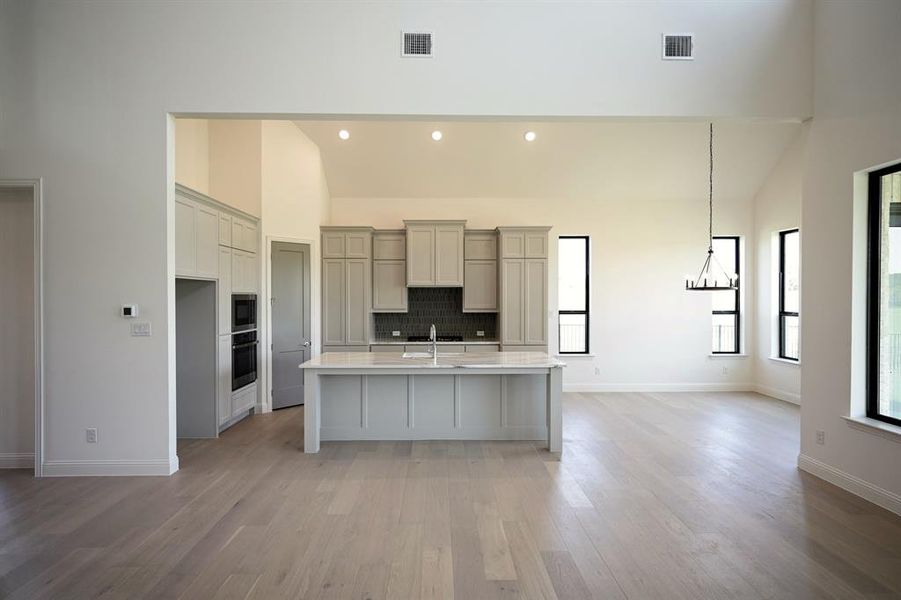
point(475, 396)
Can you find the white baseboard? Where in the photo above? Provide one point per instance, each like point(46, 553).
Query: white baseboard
point(877, 495)
point(790, 397)
point(658, 387)
point(17, 460)
point(101, 468)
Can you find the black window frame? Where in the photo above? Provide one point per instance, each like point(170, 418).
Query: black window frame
point(874, 251)
point(737, 312)
point(782, 312)
point(587, 311)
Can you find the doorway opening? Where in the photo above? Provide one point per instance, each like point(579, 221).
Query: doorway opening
point(21, 359)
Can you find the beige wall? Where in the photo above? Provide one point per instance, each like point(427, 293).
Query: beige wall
point(235, 164)
point(777, 207)
point(17, 327)
point(646, 332)
point(192, 154)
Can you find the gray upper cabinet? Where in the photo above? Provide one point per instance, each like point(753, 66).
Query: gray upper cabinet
point(346, 285)
point(196, 238)
point(523, 285)
point(434, 253)
point(389, 286)
point(480, 286)
point(480, 245)
point(333, 302)
point(420, 255)
point(389, 245)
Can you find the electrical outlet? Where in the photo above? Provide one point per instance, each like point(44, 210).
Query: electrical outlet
point(725, 370)
point(480, 333)
point(821, 437)
point(140, 329)
point(91, 435)
point(597, 370)
point(395, 334)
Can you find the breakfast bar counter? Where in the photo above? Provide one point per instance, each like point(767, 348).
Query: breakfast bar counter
point(456, 396)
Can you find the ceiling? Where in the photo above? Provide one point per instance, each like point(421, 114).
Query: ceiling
point(603, 159)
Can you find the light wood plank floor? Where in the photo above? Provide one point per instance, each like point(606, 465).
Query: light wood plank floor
point(657, 496)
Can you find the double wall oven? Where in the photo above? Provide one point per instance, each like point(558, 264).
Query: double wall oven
point(244, 340)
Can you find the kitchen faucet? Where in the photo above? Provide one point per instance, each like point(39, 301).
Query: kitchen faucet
point(433, 337)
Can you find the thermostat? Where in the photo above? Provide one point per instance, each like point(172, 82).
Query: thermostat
point(129, 311)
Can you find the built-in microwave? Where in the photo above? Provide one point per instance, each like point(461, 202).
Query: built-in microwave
point(244, 312)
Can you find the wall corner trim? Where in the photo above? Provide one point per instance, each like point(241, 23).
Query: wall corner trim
point(875, 494)
point(17, 460)
point(100, 468)
point(778, 394)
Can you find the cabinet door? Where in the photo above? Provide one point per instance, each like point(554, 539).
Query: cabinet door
point(449, 255)
point(333, 244)
point(389, 246)
point(225, 290)
point(250, 237)
point(511, 288)
point(389, 286)
point(480, 286)
point(185, 247)
point(224, 379)
point(333, 301)
point(420, 255)
point(206, 239)
point(238, 276)
point(357, 244)
point(252, 272)
point(513, 245)
point(535, 244)
point(225, 229)
point(535, 298)
point(238, 226)
point(356, 298)
point(479, 246)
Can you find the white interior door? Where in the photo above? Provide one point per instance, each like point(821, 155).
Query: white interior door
point(291, 338)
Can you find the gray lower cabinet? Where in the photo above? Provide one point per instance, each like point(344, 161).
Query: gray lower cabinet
point(480, 286)
point(389, 286)
point(386, 348)
point(244, 399)
point(224, 380)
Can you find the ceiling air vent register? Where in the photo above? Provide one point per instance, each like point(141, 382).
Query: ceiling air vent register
point(678, 46)
point(416, 44)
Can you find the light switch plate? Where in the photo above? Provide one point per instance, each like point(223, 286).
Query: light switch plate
point(140, 329)
point(480, 333)
point(395, 334)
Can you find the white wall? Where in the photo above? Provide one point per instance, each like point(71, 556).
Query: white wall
point(85, 107)
point(857, 126)
point(647, 332)
point(235, 155)
point(17, 328)
point(777, 207)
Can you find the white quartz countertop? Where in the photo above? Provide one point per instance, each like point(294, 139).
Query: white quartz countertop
point(395, 360)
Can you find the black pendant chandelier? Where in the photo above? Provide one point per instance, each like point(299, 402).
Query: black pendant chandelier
point(712, 277)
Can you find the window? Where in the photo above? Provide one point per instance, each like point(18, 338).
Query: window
point(573, 294)
point(789, 293)
point(884, 296)
point(726, 317)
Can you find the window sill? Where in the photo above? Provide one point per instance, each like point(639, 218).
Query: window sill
point(558, 355)
point(875, 427)
point(786, 361)
point(716, 356)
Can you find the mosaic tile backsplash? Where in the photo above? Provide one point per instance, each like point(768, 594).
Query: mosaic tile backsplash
point(441, 306)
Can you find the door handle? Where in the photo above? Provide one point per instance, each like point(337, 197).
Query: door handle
point(306, 344)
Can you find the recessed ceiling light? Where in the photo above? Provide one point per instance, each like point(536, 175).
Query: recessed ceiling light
point(437, 135)
point(344, 134)
point(529, 136)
